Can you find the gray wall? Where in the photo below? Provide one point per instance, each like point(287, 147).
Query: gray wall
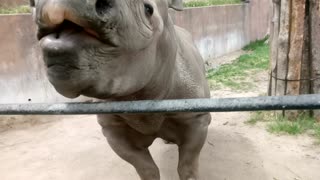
point(216, 31)
point(219, 30)
point(22, 76)
point(13, 2)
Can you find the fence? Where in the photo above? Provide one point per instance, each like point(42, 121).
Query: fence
point(301, 102)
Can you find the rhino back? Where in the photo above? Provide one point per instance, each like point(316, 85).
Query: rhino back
point(191, 81)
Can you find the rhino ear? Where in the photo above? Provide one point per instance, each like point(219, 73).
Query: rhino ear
point(176, 4)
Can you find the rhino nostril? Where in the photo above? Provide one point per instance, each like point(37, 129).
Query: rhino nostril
point(102, 6)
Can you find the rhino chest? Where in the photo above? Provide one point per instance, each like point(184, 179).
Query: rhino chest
point(146, 124)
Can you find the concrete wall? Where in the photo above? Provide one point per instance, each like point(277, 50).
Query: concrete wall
point(216, 31)
point(219, 30)
point(7, 3)
point(22, 75)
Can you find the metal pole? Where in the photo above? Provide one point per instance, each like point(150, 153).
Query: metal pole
point(166, 106)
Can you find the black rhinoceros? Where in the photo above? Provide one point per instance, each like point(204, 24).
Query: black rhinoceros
point(123, 50)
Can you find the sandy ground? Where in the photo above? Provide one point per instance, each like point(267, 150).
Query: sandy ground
point(74, 149)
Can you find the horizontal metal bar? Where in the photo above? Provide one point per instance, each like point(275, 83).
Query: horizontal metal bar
point(166, 106)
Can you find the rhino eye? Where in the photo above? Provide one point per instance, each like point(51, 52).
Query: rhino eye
point(102, 6)
point(148, 9)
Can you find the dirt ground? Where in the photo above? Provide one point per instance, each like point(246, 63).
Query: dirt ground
point(74, 148)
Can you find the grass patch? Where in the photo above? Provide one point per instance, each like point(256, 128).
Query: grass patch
point(259, 116)
point(200, 3)
point(15, 10)
point(235, 75)
point(278, 124)
point(299, 126)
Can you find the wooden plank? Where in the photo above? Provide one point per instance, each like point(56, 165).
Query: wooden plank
point(295, 53)
point(315, 47)
point(305, 84)
point(296, 45)
point(283, 44)
point(274, 32)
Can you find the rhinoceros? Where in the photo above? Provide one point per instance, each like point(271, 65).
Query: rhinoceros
point(124, 50)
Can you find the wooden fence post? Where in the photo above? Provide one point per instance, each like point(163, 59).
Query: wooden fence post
point(295, 49)
point(315, 48)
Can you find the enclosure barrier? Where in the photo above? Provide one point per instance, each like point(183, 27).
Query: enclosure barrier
point(166, 106)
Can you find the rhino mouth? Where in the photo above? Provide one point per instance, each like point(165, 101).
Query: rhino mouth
point(62, 45)
point(62, 48)
point(74, 32)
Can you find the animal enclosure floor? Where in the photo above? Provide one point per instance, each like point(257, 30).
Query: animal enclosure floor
point(74, 149)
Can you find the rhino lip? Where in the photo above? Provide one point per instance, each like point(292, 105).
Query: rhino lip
point(69, 66)
point(42, 32)
point(70, 26)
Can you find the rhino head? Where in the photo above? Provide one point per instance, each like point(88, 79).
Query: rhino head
point(106, 48)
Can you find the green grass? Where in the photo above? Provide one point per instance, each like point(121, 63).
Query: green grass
point(235, 75)
point(278, 124)
point(199, 3)
point(259, 116)
point(298, 126)
point(15, 10)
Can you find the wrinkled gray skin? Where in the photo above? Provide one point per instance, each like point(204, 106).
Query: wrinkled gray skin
point(116, 50)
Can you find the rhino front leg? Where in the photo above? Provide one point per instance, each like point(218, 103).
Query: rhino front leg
point(189, 152)
point(132, 146)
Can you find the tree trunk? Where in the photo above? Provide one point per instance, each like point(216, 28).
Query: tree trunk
point(295, 49)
